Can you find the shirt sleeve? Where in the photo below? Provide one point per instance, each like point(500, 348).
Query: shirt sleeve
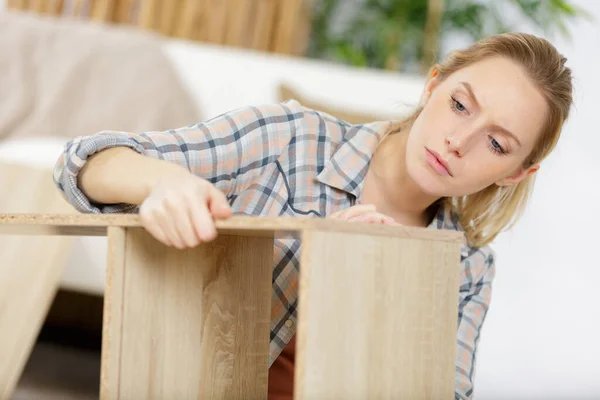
point(229, 150)
point(474, 301)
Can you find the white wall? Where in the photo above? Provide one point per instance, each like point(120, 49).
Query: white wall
point(541, 339)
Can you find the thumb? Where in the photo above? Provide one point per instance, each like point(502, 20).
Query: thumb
point(217, 203)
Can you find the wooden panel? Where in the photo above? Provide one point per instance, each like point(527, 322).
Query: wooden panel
point(90, 224)
point(19, 4)
point(51, 230)
point(302, 30)
point(249, 24)
point(78, 6)
point(286, 25)
point(168, 16)
point(239, 16)
point(194, 323)
point(267, 25)
point(30, 269)
point(216, 20)
point(201, 21)
point(55, 7)
point(113, 314)
point(103, 10)
point(149, 12)
point(124, 11)
point(190, 21)
point(395, 305)
point(409, 232)
point(38, 5)
point(95, 224)
point(264, 24)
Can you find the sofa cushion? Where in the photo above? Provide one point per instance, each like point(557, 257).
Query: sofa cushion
point(63, 77)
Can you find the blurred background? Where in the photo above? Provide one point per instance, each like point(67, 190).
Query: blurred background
point(70, 68)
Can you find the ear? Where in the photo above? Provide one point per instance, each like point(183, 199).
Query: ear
point(432, 83)
point(518, 176)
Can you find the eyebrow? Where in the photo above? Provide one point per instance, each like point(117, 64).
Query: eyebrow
point(469, 89)
point(507, 133)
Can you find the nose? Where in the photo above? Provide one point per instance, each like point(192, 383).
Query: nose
point(455, 145)
point(459, 142)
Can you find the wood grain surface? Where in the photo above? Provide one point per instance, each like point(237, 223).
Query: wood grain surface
point(92, 224)
point(377, 318)
point(190, 324)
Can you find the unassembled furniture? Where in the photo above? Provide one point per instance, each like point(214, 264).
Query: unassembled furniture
point(377, 308)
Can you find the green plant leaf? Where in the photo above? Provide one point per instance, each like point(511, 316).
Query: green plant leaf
point(390, 33)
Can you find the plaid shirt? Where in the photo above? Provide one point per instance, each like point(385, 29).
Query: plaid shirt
point(286, 160)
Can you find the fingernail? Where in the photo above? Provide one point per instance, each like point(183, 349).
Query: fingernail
point(208, 235)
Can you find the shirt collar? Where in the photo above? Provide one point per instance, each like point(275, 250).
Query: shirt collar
point(347, 167)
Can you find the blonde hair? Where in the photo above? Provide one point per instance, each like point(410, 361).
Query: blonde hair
point(483, 215)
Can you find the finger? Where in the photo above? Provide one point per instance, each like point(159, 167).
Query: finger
point(155, 230)
point(202, 221)
point(161, 219)
point(387, 219)
point(182, 220)
point(364, 218)
point(356, 210)
point(179, 220)
point(172, 234)
point(166, 216)
point(217, 203)
point(373, 218)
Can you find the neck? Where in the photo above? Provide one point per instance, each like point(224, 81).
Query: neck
point(390, 187)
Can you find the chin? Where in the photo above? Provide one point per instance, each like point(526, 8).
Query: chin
point(421, 173)
point(427, 180)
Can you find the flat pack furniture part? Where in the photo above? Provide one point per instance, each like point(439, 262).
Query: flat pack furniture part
point(377, 313)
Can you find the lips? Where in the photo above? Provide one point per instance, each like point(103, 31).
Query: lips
point(438, 163)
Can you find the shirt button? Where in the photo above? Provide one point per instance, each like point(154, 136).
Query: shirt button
point(289, 323)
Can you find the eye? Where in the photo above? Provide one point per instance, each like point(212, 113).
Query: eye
point(495, 147)
point(457, 106)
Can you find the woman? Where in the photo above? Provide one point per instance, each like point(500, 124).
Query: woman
point(464, 160)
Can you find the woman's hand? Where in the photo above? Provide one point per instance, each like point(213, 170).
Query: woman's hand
point(363, 213)
point(180, 210)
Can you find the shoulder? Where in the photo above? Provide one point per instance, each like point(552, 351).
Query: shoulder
point(314, 119)
point(290, 113)
point(261, 114)
point(303, 116)
point(478, 263)
point(330, 128)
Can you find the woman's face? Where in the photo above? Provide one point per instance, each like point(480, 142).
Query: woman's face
point(476, 129)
